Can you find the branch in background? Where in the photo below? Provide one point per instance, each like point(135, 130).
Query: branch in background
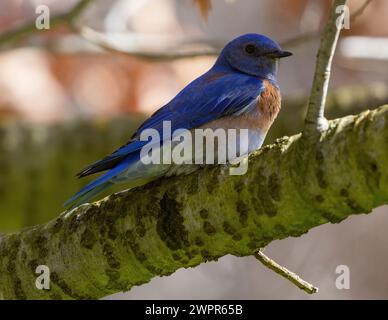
point(315, 121)
point(103, 41)
point(129, 238)
point(166, 218)
point(359, 11)
point(30, 28)
point(285, 273)
point(299, 40)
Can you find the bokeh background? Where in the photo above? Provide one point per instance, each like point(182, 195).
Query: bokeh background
point(66, 101)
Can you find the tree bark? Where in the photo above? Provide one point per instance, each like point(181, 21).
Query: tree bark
point(36, 160)
point(129, 238)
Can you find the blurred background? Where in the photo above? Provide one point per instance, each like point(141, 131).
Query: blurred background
point(74, 93)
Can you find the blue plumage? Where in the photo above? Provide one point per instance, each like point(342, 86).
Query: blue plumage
point(230, 89)
point(102, 182)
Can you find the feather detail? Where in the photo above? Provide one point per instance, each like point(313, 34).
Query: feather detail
point(268, 104)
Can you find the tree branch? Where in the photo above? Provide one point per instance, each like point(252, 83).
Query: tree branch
point(315, 121)
point(285, 273)
point(360, 10)
point(129, 238)
point(29, 27)
point(102, 41)
point(36, 203)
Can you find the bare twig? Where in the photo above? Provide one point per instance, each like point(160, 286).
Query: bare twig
point(103, 41)
point(284, 272)
point(29, 28)
point(315, 121)
point(299, 39)
point(97, 38)
point(359, 11)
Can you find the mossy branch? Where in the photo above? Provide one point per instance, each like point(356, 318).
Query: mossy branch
point(131, 237)
point(53, 165)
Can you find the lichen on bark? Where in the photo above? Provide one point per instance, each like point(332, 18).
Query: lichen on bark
point(40, 161)
point(129, 238)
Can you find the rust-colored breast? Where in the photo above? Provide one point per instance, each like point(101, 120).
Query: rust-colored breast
point(268, 104)
point(258, 120)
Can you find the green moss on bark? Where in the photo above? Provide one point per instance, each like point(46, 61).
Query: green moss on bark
point(129, 238)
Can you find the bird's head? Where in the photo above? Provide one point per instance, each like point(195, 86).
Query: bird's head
point(253, 54)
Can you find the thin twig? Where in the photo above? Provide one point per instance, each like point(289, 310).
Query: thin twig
point(284, 272)
point(29, 28)
point(102, 41)
point(315, 121)
point(359, 11)
point(299, 39)
point(69, 17)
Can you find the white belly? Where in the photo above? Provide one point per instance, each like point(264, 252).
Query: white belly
point(183, 156)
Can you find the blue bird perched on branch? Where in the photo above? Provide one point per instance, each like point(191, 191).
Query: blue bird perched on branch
point(239, 92)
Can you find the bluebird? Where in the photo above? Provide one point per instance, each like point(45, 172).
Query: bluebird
point(240, 91)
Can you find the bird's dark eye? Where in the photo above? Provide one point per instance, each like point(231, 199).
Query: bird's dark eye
point(250, 49)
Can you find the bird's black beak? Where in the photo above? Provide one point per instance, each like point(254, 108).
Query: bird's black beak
point(279, 54)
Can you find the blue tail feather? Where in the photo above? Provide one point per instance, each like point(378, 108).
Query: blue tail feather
point(97, 186)
point(77, 200)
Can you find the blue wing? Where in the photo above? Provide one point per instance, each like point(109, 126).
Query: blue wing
point(207, 98)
